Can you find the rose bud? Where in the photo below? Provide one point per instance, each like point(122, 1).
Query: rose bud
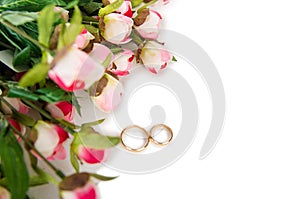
point(73, 70)
point(86, 153)
point(122, 63)
point(48, 139)
point(61, 110)
point(147, 23)
point(78, 186)
point(106, 94)
point(16, 103)
point(116, 28)
point(154, 57)
point(83, 39)
point(4, 194)
point(19, 127)
point(124, 9)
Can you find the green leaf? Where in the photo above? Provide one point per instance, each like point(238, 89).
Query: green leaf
point(45, 24)
point(18, 18)
point(92, 7)
point(89, 138)
point(52, 94)
point(14, 166)
point(107, 60)
point(22, 59)
point(110, 8)
point(35, 75)
point(103, 178)
point(136, 3)
point(174, 59)
point(71, 4)
point(94, 123)
point(19, 92)
point(60, 2)
point(68, 34)
point(24, 119)
point(24, 5)
point(74, 161)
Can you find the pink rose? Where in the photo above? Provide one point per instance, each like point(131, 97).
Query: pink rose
point(4, 194)
point(116, 28)
point(78, 186)
point(19, 127)
point(125, 8)
point(16, 103)
point(75, 70)
point(108, 93)
point(48, 139)
point(154, 57)
point(83, 39)
point(61, 110)
point(122, 63)
point(147, 24)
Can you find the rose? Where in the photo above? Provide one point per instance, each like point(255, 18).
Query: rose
point(61, 110)
point(154, 57)
point(16, 103)
point(4, 194)
point(122, 63)
point(89, 154)
point(124, 9)
point(106, 94)
point(74, 69)
point(116, 28)
point(147, 23)
point(78, 186)
point(48, 139)
point(83, 39)
point(102, 54)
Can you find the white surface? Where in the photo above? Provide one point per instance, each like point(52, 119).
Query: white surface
point(255, 46)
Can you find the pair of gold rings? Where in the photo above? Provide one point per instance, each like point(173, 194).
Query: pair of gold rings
point(150, 136)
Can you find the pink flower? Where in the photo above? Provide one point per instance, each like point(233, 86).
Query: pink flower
point(147, 24)
point(48, 139)
point(108, 93)
point(117, 28)
point(83, 39)
point(4, 194)
point(154, 57)
point(21, 128)
point(78, 186)
point(125, 8)
point(16, 103)
point(75, 70)
point(61, 110)
point(122, 63)
point(102, 54)
point(92, 156)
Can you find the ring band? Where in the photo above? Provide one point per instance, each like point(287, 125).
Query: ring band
point(133, 149)
point(167, 129)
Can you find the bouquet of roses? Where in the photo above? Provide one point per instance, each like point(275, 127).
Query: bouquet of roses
point(49, 49)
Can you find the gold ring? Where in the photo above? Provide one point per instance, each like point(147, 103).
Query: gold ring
point(133, 149)
point(166, 128)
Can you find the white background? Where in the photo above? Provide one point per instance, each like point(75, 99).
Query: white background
point(255, 46)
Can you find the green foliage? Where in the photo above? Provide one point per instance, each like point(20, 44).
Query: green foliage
point(45, 24)
point(21, 59)
point(13, 164)
point(110, 8)
point(25, 5)
point(35, 75)
point(92, 7)
point(19, 18)
point(68, 34)
point(74, 161)
point(91, 139)
point(102, 178)
point(136, 3)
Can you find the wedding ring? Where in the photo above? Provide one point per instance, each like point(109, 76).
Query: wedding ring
point(143, 147)
point(164, 128)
